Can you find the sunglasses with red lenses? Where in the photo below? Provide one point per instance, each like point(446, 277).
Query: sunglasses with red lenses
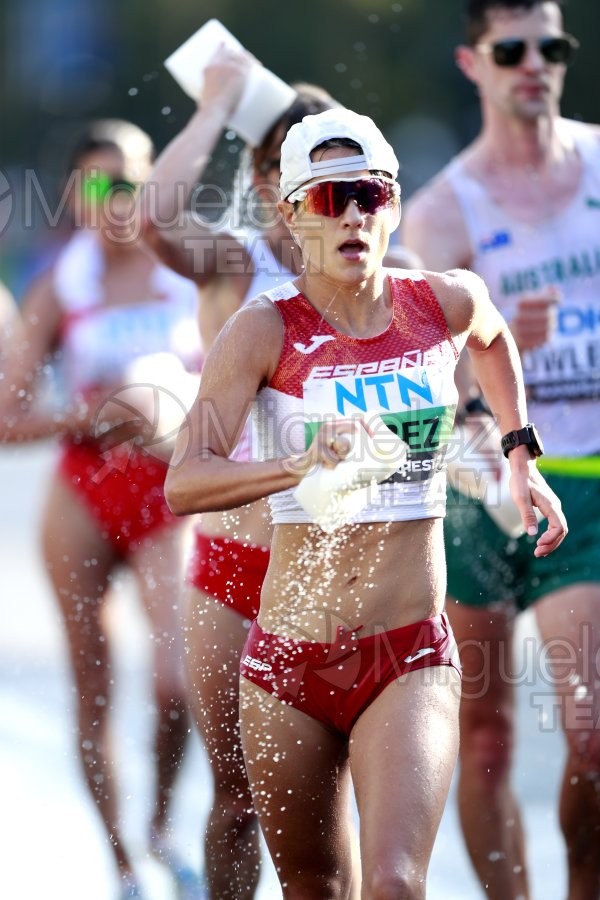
point(330, 198)
point(558, 50)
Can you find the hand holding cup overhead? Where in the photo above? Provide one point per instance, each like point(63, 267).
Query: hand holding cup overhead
point(264, 96)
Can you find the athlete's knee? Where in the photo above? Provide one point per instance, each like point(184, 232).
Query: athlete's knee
point(394, 883)
point(583, 748)
point(170, 700)
point(301, 885)
point(234, 810)
point(487, 748)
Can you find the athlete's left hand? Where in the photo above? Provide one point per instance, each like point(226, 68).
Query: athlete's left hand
point(529, 489)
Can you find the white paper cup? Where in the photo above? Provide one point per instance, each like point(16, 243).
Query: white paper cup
point(265, 96)
point(332, 497)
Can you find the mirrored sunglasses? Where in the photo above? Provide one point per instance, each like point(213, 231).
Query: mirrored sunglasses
point(330, 198)
point(511, 52)
point(96, 187)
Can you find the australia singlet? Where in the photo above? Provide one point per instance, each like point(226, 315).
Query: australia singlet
point(405, 374)
point(517, 259)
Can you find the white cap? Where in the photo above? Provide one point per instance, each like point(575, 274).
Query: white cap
point(297, 167)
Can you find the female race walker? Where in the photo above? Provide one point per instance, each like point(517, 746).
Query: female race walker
point(350, 668)
point(104, 304)
point(231, 549)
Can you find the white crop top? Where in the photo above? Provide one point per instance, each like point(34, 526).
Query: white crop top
point(406, 374)
point(99, 342)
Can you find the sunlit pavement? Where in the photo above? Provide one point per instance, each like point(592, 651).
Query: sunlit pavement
point(52, 845)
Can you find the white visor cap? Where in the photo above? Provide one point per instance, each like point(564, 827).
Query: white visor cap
point(297, 167)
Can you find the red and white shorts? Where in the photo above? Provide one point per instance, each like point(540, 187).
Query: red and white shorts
point(335, 682)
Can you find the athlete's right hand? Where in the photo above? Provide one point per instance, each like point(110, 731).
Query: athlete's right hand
point(225, 78)
point(535, 319)
point(331, 444)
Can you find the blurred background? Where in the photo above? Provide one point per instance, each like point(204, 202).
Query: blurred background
point(67, 61)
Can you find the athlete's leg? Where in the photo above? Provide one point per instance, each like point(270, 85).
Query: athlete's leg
point(299, 776)
point(79, 561)
point(569, 624)
point(215, 636)
point(489, 813)
point(403, 751)
point(158, 564)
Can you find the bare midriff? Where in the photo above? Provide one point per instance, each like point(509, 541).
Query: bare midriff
point(378, 576)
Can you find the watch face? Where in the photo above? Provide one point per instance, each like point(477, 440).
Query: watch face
point(536, 442)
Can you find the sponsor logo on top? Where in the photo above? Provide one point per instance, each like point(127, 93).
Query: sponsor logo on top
point(316, 341)
point(495, 241)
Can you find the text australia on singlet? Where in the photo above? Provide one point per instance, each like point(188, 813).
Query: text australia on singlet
point(568, 367)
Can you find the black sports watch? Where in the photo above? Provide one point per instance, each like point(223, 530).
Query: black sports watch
point(527, 435)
